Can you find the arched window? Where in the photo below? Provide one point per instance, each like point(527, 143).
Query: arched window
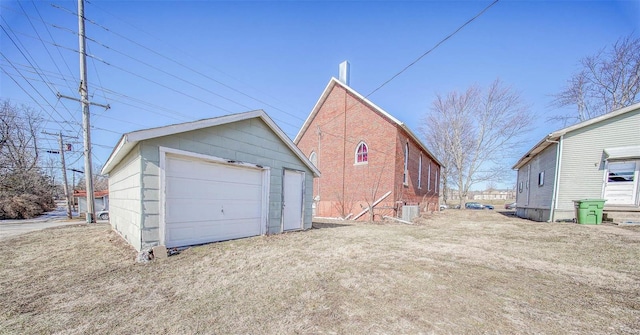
point(362, 153)
point(314, 158)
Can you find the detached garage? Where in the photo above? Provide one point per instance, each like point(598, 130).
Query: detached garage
point(211, 180)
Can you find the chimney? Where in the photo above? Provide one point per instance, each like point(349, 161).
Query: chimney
point(344, 73)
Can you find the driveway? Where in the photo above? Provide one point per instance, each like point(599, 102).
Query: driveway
point(55, 218)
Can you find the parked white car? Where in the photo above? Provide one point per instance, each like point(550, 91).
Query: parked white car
point(102, 215)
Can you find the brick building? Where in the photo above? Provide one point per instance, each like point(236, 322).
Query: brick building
point(367, 158)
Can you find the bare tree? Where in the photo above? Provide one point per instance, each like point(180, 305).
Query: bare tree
point(371, 193)
point(435, 140)
point(100, 182)
point(472, 132)
point(25, 190)
point(343, 204)
point(607, 81)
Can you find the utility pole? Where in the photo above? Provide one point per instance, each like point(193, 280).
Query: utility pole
point(64, 176)
point(86, 124)
point(86, 128)
point(65, 185)
point(74, 182)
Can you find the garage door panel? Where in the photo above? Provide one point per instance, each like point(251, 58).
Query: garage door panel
point(211, 231)
point(182, 168)
point(244, 177)
point(215, 210)
point(208, 201)
point(178, 188)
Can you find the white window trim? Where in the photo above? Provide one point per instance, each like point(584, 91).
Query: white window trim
point(429, 179)
point(311, 156)
point(355, 156)
point(420, 172)
point(405, 177)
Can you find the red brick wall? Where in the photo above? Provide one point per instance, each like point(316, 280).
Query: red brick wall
point(346, 187)
point(425, 193)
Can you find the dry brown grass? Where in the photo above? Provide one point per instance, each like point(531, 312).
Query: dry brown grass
point(455, 272)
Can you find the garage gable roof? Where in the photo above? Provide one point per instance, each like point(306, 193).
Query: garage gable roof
point(325, 94)
point(555, 136)
point(129, 140)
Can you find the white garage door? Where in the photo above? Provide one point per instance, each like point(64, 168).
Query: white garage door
point(207, 201)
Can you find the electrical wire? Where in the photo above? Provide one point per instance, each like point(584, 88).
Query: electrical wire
point(52, 39)
point(28, 94)
point(433, 48)
point(41, 41)
point(36, 68)
point(183, 65)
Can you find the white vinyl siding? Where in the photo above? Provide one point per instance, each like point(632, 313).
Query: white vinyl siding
point(583, 165)
point(538, 196)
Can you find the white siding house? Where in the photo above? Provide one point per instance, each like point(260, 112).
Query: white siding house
point(210, 180)
point(597, 158)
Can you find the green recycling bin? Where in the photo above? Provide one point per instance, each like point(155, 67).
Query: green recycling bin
point(589, 211)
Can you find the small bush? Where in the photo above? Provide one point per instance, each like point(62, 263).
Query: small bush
point(24, 206)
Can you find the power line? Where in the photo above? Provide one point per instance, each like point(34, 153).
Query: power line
point(41, 41)
point(52, 39)
point(433, 48)
point(167, 73)
point(36, 68)
point(183, 65)
point(36, 90)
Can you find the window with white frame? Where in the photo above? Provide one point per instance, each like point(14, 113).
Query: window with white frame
point(362, 153)
point(437, 181)
point(420, 172)
point(405, 177)
point(541, 178)
point(314, 158)
point(429, 178)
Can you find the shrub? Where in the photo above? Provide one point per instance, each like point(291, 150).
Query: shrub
point(24, 206)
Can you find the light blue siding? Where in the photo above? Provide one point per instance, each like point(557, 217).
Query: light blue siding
point(250, 141)
point(125, 195)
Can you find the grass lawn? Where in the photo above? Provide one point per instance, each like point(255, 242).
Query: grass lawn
point(454, 272)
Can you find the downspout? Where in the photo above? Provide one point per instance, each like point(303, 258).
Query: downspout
point(318, 167)
point(344, 153)
point(556, 179)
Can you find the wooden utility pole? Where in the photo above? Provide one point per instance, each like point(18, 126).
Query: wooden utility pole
point(64, 176)
point(86, 124)
point(65, 185)
point(86, 127)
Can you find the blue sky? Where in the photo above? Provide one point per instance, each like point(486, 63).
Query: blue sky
point(164, 62)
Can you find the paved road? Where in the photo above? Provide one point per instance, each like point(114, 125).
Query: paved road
point(55, 218)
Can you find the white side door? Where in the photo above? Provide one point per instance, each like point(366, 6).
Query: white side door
point(292, 200)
